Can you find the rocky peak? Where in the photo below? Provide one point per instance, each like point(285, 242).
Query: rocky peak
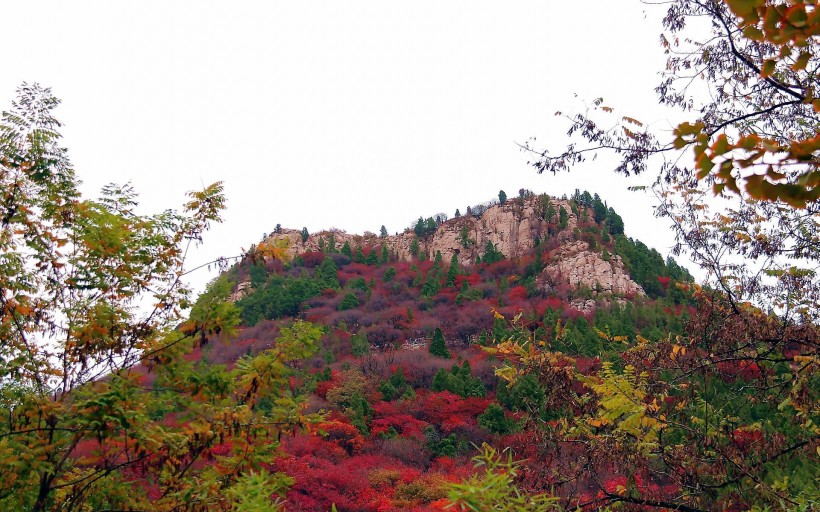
point(513, 228)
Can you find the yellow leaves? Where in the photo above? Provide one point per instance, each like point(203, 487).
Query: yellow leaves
point(606, 336)
point(723, 157)
point(621, 404)
point(687, 133)
point(801, 359)
point(677, 350)
point(598, 422)
point(721, 145)
point(507, 373)
point(276, 249)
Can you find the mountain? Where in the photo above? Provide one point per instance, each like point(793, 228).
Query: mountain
point(405, 374)
point(580, 247)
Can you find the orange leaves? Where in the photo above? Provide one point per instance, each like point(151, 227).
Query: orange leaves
point(724, 158)
point(276, 249)
point(779, 23)
point(789, 26)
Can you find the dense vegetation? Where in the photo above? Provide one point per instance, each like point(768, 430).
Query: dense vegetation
point(347, 378)
point(409, 390)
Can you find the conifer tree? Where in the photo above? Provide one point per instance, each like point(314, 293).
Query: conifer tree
point(430, 226)
point(452, 272)
point(563, 217)
point(419, 228)
point(437, 346)
point(414, 247)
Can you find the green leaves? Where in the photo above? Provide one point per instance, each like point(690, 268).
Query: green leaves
point(91, 291)
point(252, 492)
point(493, 487)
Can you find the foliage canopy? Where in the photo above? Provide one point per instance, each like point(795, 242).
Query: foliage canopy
point(95, 390)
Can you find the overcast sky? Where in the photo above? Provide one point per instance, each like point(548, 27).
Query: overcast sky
point(334, 114)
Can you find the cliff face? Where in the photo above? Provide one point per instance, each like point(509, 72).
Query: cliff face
point(574, 264)
point(513, 228)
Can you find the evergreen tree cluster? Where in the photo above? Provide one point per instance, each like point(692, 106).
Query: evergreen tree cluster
point(425, 228)
point(459, 380)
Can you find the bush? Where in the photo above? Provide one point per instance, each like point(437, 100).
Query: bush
point(494, 420)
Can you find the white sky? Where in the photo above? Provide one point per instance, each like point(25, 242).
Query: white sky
point(334, 114)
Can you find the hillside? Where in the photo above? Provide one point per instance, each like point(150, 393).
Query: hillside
point(400, 371)
point(526, 348)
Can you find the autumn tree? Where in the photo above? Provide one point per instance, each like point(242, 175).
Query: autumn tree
point(493, 487)
point(92, 340)
point(728, 410)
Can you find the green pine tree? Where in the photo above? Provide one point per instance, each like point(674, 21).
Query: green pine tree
point(437, 346)
point(452, 272)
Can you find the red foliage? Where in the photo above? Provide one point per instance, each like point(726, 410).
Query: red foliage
point(436, 408)
point(472, 279)
point(343, 434)
point(500, 269)
point(747, 439)
point(404, 424)
point(313, 445)
point(743, 369)
point(611, 485)
point(587, 365)
point(554, 303)
point(87, 451)
point(313, 259)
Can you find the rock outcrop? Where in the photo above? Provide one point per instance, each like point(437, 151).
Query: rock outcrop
point(576, 265)
point(513, 228)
